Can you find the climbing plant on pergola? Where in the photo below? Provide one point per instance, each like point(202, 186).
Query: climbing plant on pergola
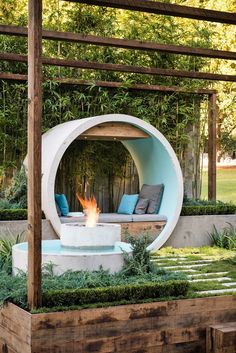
point(34, 77)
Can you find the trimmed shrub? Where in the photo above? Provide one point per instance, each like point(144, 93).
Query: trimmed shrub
point(17, 214)
point(13, 214)
point(72, 297)
point(216, 209)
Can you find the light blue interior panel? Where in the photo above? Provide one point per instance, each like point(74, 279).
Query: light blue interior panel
point(155, 166)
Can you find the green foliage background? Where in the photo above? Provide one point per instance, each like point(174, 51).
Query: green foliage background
point(171, 113)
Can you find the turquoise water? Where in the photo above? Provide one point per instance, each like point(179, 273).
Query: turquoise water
point(55, 247)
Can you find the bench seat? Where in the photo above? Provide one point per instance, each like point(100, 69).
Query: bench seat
point(115, 218)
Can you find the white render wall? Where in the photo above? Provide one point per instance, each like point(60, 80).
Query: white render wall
point(189, 231)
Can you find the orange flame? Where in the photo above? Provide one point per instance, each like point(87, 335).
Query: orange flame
point(90, 209)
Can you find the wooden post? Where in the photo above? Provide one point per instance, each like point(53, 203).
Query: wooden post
point(34, 152)
point(212, 113)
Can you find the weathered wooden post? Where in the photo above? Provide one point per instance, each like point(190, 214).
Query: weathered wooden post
point(212, 113)
point(34, 151)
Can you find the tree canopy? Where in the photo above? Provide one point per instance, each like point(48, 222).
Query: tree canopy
point(171, 113)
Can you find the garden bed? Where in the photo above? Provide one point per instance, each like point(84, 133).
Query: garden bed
point(169, 326)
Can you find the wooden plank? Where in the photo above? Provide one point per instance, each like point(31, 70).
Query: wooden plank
point(133, 311)
point(160, 8)
point(90, 65)
point(109, 84)
point(113, 131)
point(138, 86)
point(13, 77)
point(13, 312)
point(221, 338)
point(34, 152)
point(212, 119)
point(128, 340)
point(122, 43)
point(174, 333)
point(15, 330)
point(163, 327)
point(124, 343)
point(4, 348)
point(204, 304)
point(155, 325)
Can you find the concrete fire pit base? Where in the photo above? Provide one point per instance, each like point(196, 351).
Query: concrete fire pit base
point(65, 258)
point(78, 235)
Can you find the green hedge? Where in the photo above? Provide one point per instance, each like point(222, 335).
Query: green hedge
point(208, 210)
point(72, 297)
point(13, 214)
point(187, 210)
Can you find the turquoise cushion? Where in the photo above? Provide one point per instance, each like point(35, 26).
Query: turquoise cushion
point(62, 204)
point(128, 203)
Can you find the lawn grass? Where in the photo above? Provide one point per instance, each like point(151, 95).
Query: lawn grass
point(201, 253)
point(222, 260)
point(226, 185)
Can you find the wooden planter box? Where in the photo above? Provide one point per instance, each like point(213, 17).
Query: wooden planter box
point(177, 326)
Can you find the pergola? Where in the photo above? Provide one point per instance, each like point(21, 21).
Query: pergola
point(34, 77)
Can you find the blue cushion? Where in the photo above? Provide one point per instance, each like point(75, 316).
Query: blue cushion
point(62, 204)
point(128, 203)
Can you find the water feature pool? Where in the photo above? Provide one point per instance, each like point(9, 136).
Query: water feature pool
point(71, 258)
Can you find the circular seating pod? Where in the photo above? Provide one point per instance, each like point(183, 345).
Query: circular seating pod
point(154, 157)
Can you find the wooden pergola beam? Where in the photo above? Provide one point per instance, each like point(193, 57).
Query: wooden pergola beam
point(109, 84)
point(121, 43)
point(34, 152)
point(91, 65)
point(161, 8)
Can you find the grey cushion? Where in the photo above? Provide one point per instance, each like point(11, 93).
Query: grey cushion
point(154, 194)
point(148, 218)
point(103, 218)
point(119, 218)
point(114, 217)
point(141, 206)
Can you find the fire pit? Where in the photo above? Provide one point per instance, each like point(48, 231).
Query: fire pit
point(82, 247)
point(90, 234)
point(101, 236)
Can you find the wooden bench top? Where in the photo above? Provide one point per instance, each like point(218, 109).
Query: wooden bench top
point(221, 338)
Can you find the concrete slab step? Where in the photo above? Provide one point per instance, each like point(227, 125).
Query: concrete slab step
point(229, 284)
point(184, 266)
point(208, 274)
point(219, 279)
point(218, 291)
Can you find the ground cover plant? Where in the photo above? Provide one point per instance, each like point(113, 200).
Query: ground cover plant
point(81, 289)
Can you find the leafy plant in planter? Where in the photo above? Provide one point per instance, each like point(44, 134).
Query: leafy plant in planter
point(224, 239)
point(139, 262)
point(6, 251)
point(16, 193)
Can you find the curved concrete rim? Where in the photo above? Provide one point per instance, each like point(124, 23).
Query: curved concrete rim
point(57, 140)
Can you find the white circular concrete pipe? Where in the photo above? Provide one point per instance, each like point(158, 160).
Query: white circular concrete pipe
point(154, 157)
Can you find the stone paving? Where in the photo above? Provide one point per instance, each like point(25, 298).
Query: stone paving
point(190, 267)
